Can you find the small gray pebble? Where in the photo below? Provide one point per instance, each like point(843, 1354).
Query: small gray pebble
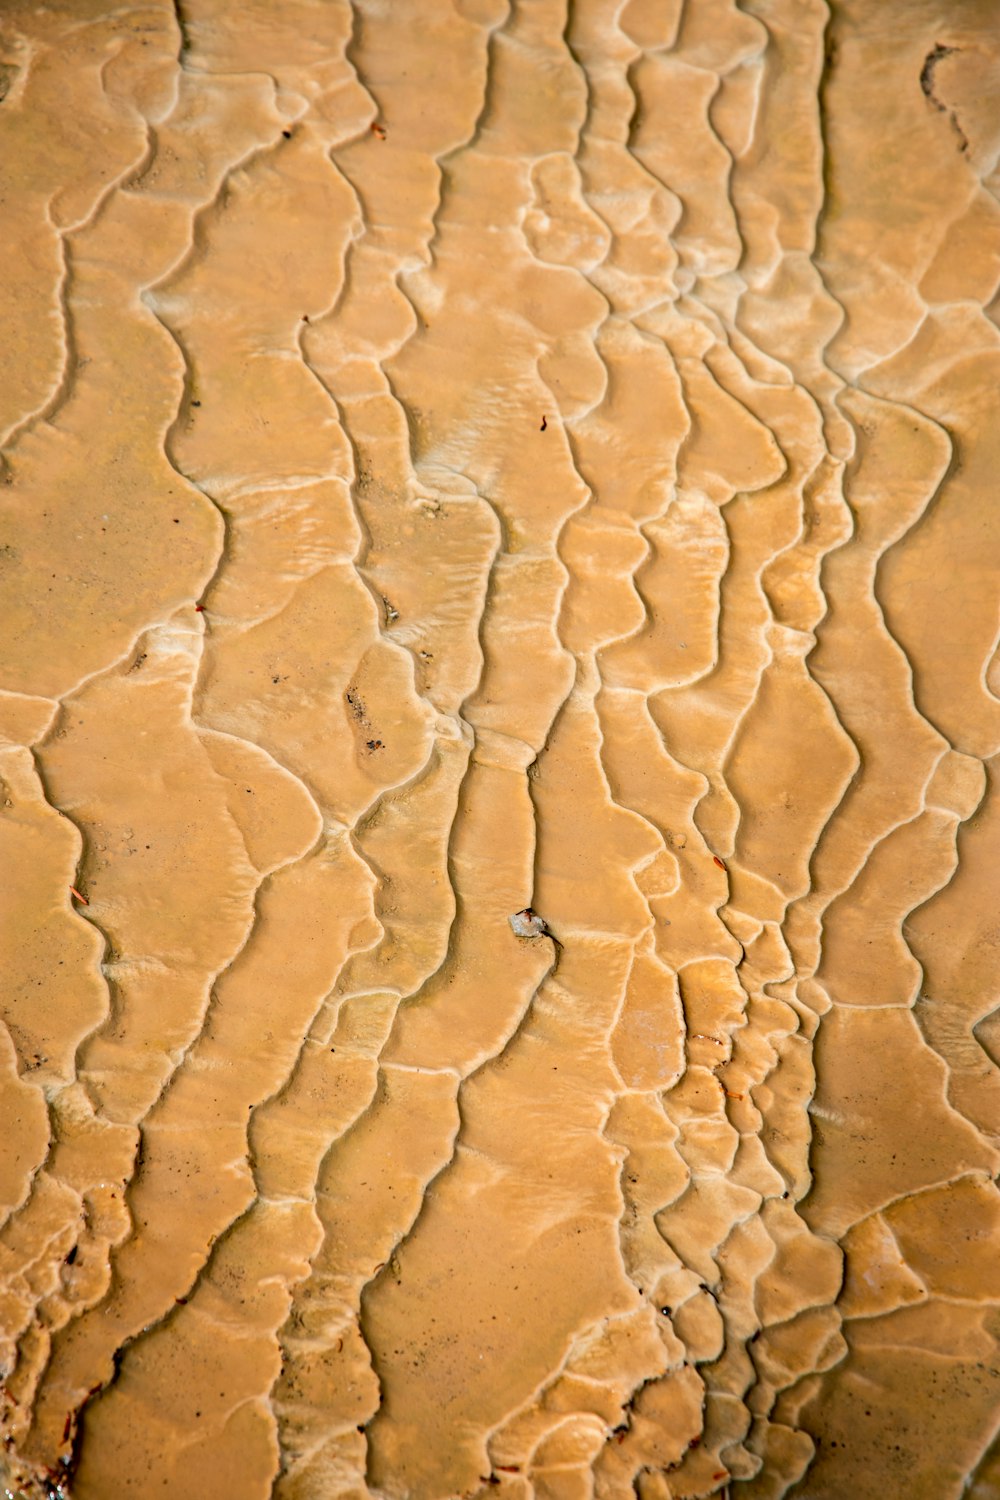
point(529, 924)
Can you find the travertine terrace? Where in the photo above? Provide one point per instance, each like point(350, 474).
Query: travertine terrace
point(469, 460)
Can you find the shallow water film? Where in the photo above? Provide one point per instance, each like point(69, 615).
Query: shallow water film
point(499, 550)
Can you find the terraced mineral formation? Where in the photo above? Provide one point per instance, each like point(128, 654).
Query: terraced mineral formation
point(499, 731)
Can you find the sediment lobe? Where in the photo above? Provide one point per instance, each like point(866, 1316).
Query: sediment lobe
point(465, 460)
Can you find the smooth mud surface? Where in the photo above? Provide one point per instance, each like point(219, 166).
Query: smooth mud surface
point(500, 949)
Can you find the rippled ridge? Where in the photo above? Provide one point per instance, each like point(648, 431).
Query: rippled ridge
point(464, 457)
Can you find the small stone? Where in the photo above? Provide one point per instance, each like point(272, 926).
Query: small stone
point(529, 924)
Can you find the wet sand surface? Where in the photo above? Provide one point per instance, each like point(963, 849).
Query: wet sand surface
point(464, 459)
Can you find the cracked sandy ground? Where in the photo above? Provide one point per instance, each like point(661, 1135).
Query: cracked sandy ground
point(464, 461)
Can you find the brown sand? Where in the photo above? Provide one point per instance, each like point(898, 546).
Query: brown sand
point(463, 457)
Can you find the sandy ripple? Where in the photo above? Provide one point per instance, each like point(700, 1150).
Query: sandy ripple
point(467, 460)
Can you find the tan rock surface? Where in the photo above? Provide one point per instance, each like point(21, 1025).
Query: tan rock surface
point(498, 740)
